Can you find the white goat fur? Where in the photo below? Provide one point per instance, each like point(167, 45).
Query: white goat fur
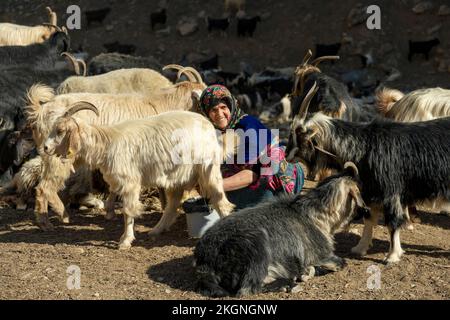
point(141, 152)
point(19, 35)
point(112, 108)
point(418, 105)
point(139, 80)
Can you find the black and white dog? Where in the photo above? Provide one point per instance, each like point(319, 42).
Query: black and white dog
point(278, 241)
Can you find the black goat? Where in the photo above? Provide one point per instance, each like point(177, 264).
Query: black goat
point(120, 48)
point(421, 47)
point(211, 63)
point(97, 15)
point(158, 17)
point(218, 24)
point(247, 26)
point(106, 62)
point(400, 164)
point(43, 55)
point(327, 49)
point(272, 245)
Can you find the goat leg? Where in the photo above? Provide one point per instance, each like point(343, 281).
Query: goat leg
point(40, 211)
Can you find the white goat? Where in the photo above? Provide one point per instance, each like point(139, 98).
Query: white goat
point(19, 35)
point(174, 150)
point(139, 80)
point(113, 109)
point(418, 105)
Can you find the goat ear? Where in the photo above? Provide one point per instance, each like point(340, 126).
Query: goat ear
point(196, 94)
point(356, 195)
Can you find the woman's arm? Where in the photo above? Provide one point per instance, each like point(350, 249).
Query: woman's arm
point(240, 180)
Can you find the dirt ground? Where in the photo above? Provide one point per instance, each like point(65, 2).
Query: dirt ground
point(34, 264)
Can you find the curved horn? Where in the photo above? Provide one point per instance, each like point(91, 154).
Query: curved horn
point(173, 66)
point(52, 16)
point(308, 56)
point(52, 25)
point(305, 104)
point(192, 71)
point(189, 75)
point(320, 59)
point(83, 64)
point(351, 165)
point(64, 29)
point(1, 121)
point(81, 105)
point(76, 66)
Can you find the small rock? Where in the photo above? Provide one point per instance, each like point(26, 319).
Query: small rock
point(346, 38)
point(357, 15)
point(422, 7)
point(109, 28)
point(96, 294)
point(187, 26)
point(434, 29)
point(167, 291)
point(201, 14)
point(265, 15)
point(444, 10)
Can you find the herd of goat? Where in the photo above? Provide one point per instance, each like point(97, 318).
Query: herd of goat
point(58, 124)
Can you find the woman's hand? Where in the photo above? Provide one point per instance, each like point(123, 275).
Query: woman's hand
point(240, 180)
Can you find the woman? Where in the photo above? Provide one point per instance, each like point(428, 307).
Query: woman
point(252, 177)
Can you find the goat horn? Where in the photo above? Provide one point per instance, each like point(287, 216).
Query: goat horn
point(52, 25)
point(192, 71)
point(173, 66)
point(305, 104)
point(308, 56)
point(189, 75)
point(64, 29)
point(1, 121)
point(83, 64)
point(81, 105)
point(320, 59)
point(74, 61)
point(350, 164)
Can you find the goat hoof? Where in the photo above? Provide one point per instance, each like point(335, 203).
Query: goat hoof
point(296, 289)
point(410, 227)
point(46, 226)
point(124, 246)
point(359, 251)
point(392, 259)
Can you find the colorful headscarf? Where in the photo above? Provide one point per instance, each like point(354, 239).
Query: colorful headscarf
point(215, 94)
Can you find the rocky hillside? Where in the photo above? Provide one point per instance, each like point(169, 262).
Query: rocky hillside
point(288, 29)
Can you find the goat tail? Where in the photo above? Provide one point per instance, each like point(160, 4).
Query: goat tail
point(386, 98)
point(36, 96)
point(208, 283)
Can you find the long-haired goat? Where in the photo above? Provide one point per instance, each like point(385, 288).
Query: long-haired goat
point(400, 164)
point(145, 81)
point(44, 108)
point(174, 150)
point(43, 55)
point(280, 241)
point(18, 35)
point(418, 105)
point(106, 62)
point(332, 98)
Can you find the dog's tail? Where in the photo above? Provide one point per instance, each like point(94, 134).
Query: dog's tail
point(208, 283)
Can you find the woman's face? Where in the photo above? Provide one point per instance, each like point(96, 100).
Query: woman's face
point(220, 115)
